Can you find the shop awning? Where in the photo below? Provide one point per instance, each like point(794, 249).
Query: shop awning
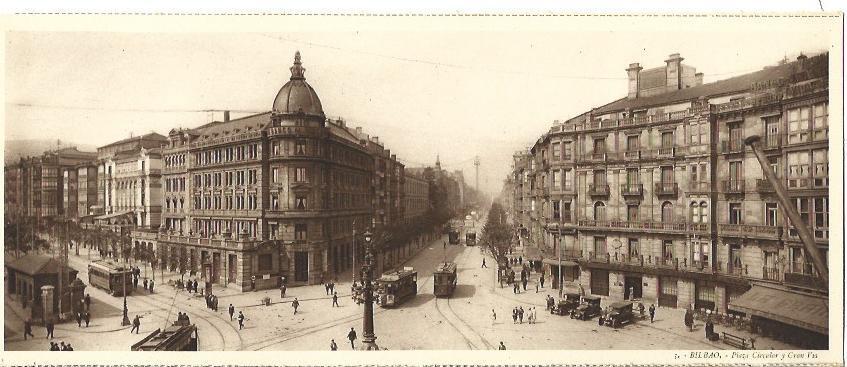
point(803, 310)
point(555, 262)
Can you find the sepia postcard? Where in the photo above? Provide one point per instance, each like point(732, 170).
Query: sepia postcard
point(423, 189)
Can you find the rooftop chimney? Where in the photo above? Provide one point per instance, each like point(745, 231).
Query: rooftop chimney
point(226, 116)
point(698, 79)
point(633, 75)
point(358, 131)
point(673, 72)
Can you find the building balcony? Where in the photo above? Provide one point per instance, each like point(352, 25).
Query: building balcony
point(769, 273)
point(732, 186)
point(666, 188)
point(632, 189)
point(750, 231)
point(633, 225)
point(598, 189)
point(732, 146)
point(803, 275)
point(760, 100)
point(596, 157)
point(599, 257)
point(665, 152)
point(764, 186)
point(632, 155)
point(571, 254)
point(737, 269)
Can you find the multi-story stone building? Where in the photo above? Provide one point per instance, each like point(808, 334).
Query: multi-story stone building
point(655, 196)
point(38, 186)
point(86, 189)
point(415, 196)
point(275, 195)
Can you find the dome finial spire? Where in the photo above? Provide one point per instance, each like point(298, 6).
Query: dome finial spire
point(297, 70)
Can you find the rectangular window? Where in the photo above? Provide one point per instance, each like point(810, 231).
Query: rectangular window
point(567, 150)
point(735, 213)
point(632, 143)
point(555, 149)
point(632, 247)
point(556, 210)
point(300, 174)
point(771, 214)
point(798, 125)
point(600, 247)
point(599, 178)
point(274, 202)
point(567, 181)
point(821, 117)
point(798, 169)
point(300, 148)
point(632, 213)
point(300, 202)
point(821, 168)
point(300, 231)
point(557, 179)
point(275, 175)
point(599, 146)
point(667, 139)
point(821, 224)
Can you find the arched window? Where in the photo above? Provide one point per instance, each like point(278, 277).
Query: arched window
point(667, 212)
point(695, 213)
point(704, 212)
point(599, 211)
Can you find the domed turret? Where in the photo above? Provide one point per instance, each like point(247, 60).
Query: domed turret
point(297, 96)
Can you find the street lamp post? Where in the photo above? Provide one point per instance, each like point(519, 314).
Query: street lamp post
point(369, 338)
point(125, 321)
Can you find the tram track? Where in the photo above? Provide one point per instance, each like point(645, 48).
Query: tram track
point(309, 330)
point(473, 339)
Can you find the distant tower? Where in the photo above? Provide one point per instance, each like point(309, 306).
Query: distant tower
point(438, 162)
point(476, 169)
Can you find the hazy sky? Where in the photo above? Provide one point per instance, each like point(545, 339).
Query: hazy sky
point(457, 94)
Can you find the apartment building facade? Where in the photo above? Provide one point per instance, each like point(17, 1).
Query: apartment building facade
point(654, 196)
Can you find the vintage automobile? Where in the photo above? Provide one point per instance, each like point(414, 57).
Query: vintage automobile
point(566, 305)
point(620, 313)
point(589, 308)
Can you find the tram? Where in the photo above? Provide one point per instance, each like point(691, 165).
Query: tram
point(111, 277)
point(180, 336)
point(470, 239)
point(444, 280)
point(395, 287)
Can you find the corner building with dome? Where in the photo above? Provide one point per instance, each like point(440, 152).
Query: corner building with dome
point(251, 201)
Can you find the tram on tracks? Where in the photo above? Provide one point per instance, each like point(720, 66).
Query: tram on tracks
point(181, 336)
point(444, 279)
point(111, 277)
point(396, 287)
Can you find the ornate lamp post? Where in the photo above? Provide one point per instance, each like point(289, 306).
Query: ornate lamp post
point(368, 339)
point(125, 321)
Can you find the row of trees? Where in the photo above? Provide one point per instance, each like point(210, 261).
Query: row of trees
point(24, 235)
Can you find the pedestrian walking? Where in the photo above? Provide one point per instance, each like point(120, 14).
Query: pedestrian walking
point(520, 314)
point(501, 347)
point(69, 348)
point(195, 285)
point(215, 304)
point(652, 310)
point(689, 319)
point(352, 336)
point(252, 282)
point(282, 291)
point(524, 281)
point(335, 300)
point(295, 304)
point(493, 317)
point(86, 317)
point(332, 287)
point(520, 260)
point(49, 326)
point(515, 288)
point(54, 346)
point(483, 263)
point(62, 346)
point(515, 315)
point(136, 325)
point(231, 311)
point(332, 346)
point(78, 319)
point(445, 245)
point(542, 280)
point(240, 320)
point(145, 284)
point(28, 328)
point(135, 282)
point(326, 288)
point(536, 287)
point(151, 286)
point(87, 301)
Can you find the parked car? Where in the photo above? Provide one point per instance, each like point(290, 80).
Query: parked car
point(566, 305)
point(620, 313)
point(589, 308)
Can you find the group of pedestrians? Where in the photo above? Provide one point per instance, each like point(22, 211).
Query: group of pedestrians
point(211, 302)
point(191, 286)
point(351, 336)
point(61, 346)
point(330, 287)
point(83, 316)
point(241, 318)
point(517, 315)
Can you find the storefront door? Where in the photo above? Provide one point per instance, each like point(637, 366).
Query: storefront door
point(632, 287)
point(600, 282)
point(301, 266)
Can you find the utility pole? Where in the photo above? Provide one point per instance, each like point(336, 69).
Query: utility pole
point(476, 170)
point(355, 248)
point(782, 195)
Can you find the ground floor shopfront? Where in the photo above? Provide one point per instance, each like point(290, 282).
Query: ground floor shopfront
point(247, 264)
